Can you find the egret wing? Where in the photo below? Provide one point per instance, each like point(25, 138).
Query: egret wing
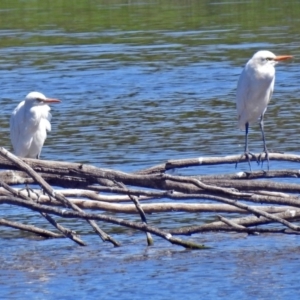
point(21, 129)
point(242, 95)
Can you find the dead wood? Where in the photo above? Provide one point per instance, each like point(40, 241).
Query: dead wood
point(88, 216)
point(65, 231)
point(258, 195)
point(49, 190)
point(202, 161)
point(33, 229)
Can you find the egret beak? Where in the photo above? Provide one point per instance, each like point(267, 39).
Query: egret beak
point(49, 100)
point(282, 57)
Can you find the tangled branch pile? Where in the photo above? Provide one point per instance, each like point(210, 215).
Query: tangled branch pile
point(259, 202)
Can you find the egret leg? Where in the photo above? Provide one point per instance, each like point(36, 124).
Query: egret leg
point(261, 124)
point(246, 154)
point(29, 190)
point(246, 137)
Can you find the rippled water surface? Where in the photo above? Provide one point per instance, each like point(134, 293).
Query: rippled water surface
point(142, 82)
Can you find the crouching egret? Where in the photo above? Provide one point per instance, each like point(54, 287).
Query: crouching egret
point(29, 124)
point(254, 92)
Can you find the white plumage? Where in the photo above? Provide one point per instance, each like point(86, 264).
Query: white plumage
point(255, 87)
point(254, 91)
point(29, 124)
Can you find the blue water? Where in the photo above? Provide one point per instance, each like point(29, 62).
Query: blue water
point(259, 267)
point(157, 95)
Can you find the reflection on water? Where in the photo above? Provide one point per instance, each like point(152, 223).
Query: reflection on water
point(142, 82)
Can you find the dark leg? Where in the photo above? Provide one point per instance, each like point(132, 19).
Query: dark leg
point(246, 137)
point(261, 124)
point(246, 154)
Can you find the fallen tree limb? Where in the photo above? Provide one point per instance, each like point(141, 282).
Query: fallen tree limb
point(161, 207)
point(249, 221)
point(87, 216)
point(65, 231)
point(249, 185)
point(49, 190)
point(231, 223)
point(33, 229)
point(154, 191)
point(202, 161)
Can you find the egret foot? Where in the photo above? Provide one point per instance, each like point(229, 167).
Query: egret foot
point(29, 190)
point(249, 156)
point(261, 159)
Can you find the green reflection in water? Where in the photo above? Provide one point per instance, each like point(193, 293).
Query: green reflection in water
point(251, 21)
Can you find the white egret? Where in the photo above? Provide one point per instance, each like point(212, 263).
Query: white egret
point(254, 92)
point(29, 124)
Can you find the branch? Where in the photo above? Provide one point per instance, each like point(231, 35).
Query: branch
point(246, 185)
point(202, 161)
point(30, 228)
point(86, 216)
point(250, 221)
point(49, 190)
point(65, 231)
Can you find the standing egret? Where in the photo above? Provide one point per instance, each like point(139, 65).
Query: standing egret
point(29, 124)
point(254, 92)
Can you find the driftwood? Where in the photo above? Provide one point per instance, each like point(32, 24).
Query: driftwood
point(258, 202)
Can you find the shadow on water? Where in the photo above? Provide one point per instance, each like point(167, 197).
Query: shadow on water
point(142, 82)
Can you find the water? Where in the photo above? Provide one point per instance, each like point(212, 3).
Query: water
point(142, 82)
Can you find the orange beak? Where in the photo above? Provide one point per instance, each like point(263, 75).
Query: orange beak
point(282, 57)
point(49, 100)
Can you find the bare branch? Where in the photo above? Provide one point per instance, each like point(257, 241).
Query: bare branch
point(30, 228)
point(202, 161)
point(49, 190)
point(65, 231)
point(86, 216)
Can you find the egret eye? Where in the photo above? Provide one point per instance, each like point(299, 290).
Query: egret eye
point(39, 100)
point(269, 58)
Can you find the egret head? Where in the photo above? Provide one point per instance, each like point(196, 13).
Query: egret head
point(267, 58)
point(36, 99)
